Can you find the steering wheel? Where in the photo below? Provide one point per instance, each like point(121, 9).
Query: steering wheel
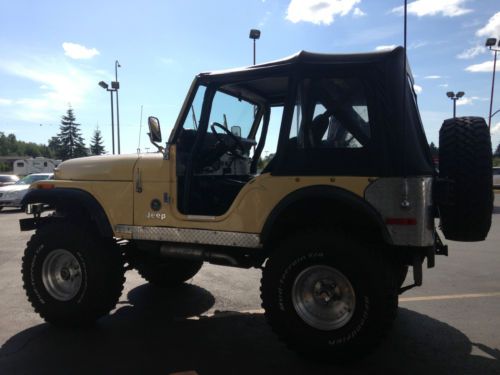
point(232, 149)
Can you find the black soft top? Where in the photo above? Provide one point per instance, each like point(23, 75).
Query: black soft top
point(307, 59)
point(400, 146)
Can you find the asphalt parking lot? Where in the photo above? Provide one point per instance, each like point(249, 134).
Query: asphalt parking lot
point(214, 324)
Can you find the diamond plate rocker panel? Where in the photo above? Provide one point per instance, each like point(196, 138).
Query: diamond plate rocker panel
point(199, 236)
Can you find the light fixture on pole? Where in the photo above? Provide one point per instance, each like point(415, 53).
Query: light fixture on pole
point(455, 97)
point(490, 43)
point(105, 86)
point(254, 34)
point(117, 65)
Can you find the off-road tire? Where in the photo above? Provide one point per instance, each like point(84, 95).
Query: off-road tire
point(166, 273)
point(101, 268)
point(372, 277)
point(465, 158)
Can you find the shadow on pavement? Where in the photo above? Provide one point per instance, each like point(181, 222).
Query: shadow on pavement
point(152, 333)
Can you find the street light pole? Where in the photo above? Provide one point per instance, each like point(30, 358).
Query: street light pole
point(112, 120)
point(105, 86)
point(254, 34)
point(117, 65)
point(455, 97)
point(490, 43)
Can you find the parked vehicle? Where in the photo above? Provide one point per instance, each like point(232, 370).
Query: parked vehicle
point(12, 195)
point(8, 179)
point(24, 167)
point(335, 219)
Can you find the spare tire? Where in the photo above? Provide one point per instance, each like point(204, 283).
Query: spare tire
point(465, 160)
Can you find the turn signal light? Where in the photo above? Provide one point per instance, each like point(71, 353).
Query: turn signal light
point(45, 185)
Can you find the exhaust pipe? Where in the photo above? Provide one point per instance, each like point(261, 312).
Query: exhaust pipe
point(184, 252)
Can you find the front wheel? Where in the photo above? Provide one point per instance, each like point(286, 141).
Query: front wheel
point(327, 297)
point(72, 276)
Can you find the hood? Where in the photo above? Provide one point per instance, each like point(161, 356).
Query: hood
point(98, 168)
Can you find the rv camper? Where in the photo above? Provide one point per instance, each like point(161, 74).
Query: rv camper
point(25, 167)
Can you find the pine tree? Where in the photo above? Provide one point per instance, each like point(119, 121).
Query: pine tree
point(70, 142)
point(434, 150)
point(96, 146)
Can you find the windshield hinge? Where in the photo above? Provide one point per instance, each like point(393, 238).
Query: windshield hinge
point(138, 181)
point(166, 152)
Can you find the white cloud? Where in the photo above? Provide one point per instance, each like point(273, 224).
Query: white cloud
point(433, 77)
point(77, 51)
point(443, 85)
point(472, 52)
point(5, 101)
point(418, 89)
point(470, 100)
point(465, 100)
point(495, 129)
point(388, 47)
point(319, 11)
point(492, 28)
point(416, 45)
point(447, 8)
point(486, 66)
point(62, 84)
point(358, 12)
point(264, 19)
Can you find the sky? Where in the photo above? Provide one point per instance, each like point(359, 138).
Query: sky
point(54, 53)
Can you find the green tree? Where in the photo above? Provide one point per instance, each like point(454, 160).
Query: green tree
point(434, 150)
point(10, 146)
point(70, 143)
point(96, 144)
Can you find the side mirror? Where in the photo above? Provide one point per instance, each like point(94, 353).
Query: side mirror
point(154, 129)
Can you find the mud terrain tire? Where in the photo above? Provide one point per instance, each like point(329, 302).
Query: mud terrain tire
point(465, 158)
point(358, 312)
point(71, 276)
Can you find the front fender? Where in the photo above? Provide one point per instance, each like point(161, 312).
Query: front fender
point(69, 198)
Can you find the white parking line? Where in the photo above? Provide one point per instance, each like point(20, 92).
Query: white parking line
point(449, 296)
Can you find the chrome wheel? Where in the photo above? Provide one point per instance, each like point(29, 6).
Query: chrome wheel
point(61, 275)
point(323, 297)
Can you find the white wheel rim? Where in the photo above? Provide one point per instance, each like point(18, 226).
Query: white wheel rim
point(61, 275)
point(323, 297)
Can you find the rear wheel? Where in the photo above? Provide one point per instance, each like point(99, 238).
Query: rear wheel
point(327, 297)
point(72, 276)
point(465, 159)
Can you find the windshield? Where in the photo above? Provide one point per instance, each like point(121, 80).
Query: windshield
point(233, 113)
point(28, 180)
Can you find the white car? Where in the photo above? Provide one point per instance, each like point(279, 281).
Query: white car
point(496, 177)
point(12, 195)
point(8, 179)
